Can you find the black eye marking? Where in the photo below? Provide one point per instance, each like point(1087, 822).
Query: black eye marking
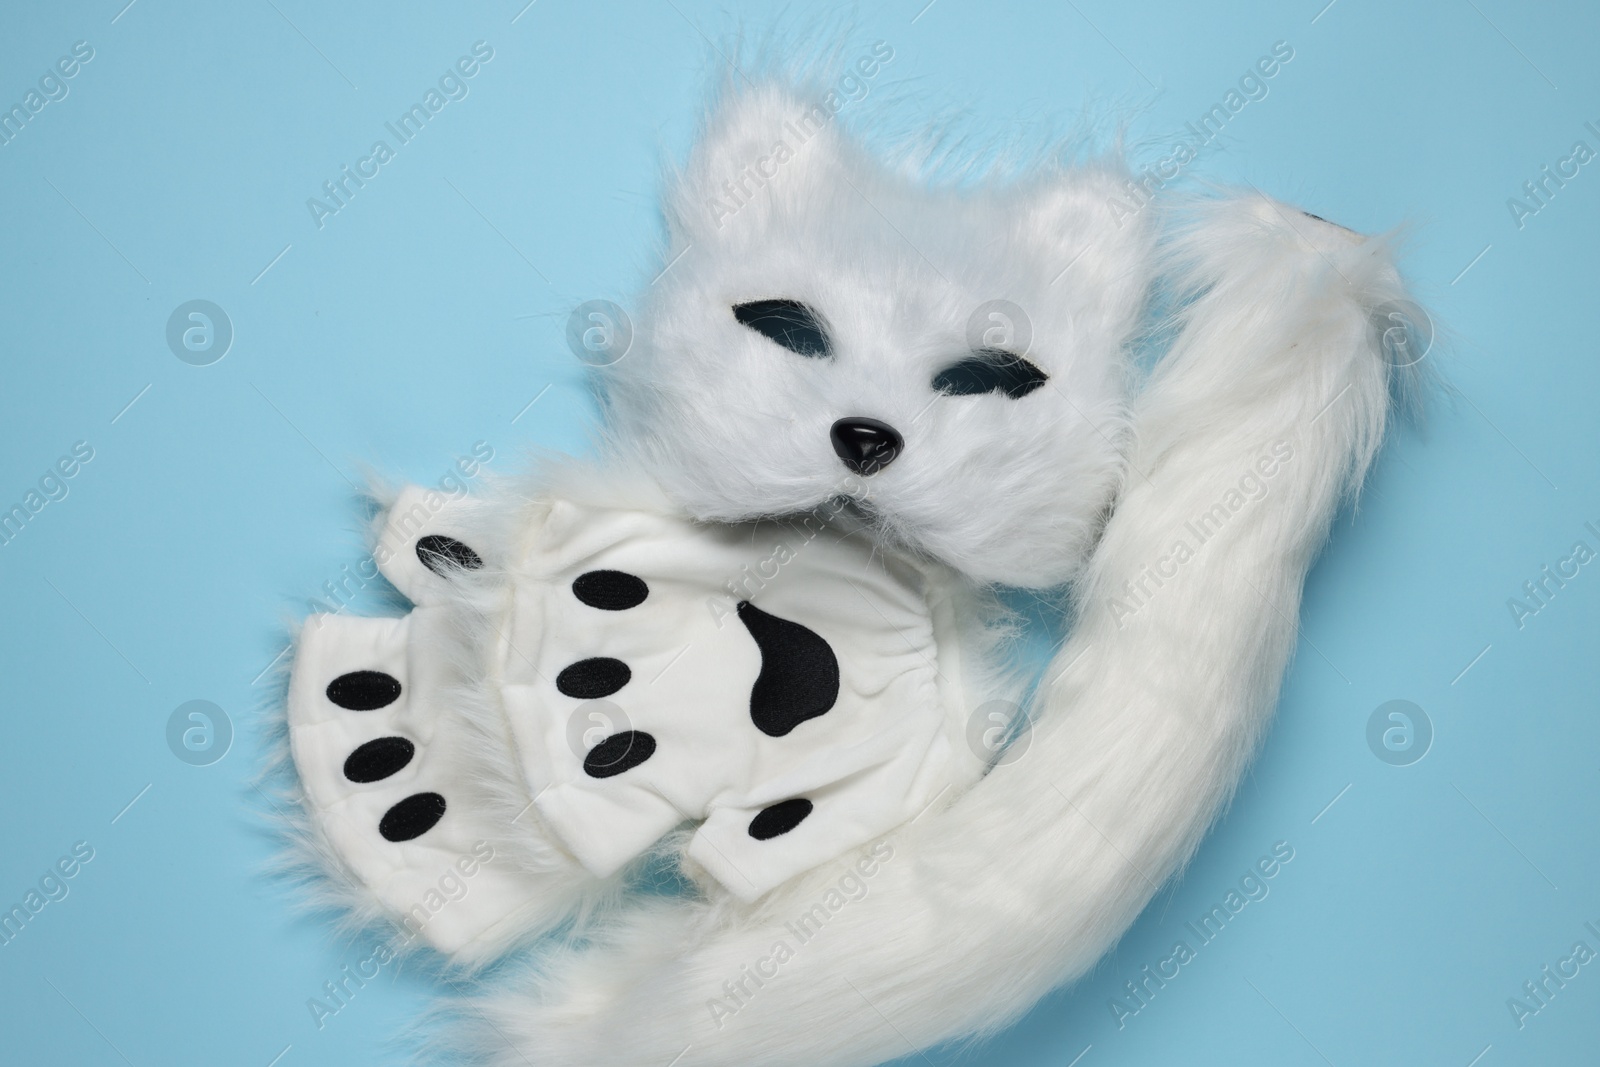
point(787, 322)
point(990, 370)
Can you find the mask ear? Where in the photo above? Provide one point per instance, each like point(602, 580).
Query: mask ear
point(1074, 271)
point(1081, 221)
point(761, 154)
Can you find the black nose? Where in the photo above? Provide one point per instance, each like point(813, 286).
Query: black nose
point(866, 445)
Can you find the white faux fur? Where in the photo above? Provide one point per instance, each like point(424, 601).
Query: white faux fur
point(1187, 511)
point(1261, 418)
point(527, 863)
point(468, 659)
point(736, 428)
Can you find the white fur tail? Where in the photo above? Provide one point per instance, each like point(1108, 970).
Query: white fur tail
point(1262, 418)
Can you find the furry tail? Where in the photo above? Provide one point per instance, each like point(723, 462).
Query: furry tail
point(1262, 418)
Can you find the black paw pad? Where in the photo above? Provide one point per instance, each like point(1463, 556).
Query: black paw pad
point(378, 759)
point(779, 819)
point(799, 677)
point(610, 590)
point(618, 753)
point(591, 679)
point(440, 554)
point(412, 817)
point(364, 690)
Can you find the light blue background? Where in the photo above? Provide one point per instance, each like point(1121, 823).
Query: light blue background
point(426, 315)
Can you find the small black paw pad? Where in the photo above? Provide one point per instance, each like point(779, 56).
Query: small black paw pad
point(618, 753)
point(610, 590)
point(412, 817)
point(378, 759)
point(591, 679)
point(364, 690)
point(441, 555)
point(779, 819)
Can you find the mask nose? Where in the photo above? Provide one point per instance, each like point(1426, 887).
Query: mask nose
point(866, 445)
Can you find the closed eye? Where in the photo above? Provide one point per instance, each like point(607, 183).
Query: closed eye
point(787, 322)
point(990, 370)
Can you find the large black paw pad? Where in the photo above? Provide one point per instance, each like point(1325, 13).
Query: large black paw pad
point(610, 590)
point(591, 679)
point(619, 752)
point(412, 817)
point(779, 819)
point(799, 677)
point(364, 690)
point(441, 555)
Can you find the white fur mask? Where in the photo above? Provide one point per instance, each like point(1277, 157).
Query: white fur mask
point(1036, 288)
